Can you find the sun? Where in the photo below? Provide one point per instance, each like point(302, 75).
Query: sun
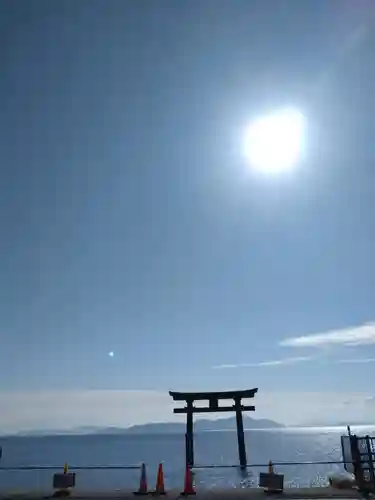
point(273, 142)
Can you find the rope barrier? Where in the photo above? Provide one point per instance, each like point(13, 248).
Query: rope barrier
point(280, 464)
point(77, 467)
point(137, 467)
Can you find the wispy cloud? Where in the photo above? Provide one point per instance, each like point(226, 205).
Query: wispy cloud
point(275, 362)
point(357, 360)
point(353, 336)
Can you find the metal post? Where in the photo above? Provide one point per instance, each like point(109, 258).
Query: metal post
point(240, 435)
point(356, 460)
point(370, 462)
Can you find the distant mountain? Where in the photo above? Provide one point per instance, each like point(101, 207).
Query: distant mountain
point(199, 426)
point(230, 424)
point(162, 427)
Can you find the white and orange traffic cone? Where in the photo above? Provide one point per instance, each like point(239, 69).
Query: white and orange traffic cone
point(160, 488)
point(142, 490)
point(188, 484)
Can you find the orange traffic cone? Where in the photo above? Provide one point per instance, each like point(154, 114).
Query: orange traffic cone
point(160, 490)
point(142, 483)
point(270, 467)
point(188, 486)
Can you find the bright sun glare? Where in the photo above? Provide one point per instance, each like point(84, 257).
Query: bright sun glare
point(273, 142)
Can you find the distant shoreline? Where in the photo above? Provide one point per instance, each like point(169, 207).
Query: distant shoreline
point(200, 425)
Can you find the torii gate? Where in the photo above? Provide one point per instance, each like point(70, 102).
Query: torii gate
point(213, 398)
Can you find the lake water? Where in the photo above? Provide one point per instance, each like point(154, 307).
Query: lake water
point(211, 448)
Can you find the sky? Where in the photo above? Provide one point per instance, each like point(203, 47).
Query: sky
point(132, 224)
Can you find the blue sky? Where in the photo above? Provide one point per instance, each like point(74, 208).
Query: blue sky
point(131, 221)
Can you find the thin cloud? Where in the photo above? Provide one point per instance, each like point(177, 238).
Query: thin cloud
point(354, 336)
point(357, 360)
point(276, 362)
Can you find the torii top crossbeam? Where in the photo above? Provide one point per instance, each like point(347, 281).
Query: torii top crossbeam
point(201, 396)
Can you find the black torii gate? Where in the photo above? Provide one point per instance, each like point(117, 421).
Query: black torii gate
point(213, 398)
